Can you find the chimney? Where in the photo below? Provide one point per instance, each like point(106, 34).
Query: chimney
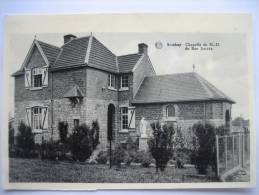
point(142, 48)
point(68, 38)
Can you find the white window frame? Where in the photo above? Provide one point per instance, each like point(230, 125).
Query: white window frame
point(123, 115)
point(32, 78)
point(122, 88)
point(111, 81)
point(38, 118)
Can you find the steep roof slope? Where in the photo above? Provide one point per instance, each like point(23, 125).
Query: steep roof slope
point(126, 63)
point(102, 58)
point(178, 88)
point(72, 53)
point(50, 51)
point(76, 52)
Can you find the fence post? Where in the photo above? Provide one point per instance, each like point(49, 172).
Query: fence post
point(233, 150)
point(217, 153)
point(243, 149)
point(226, 152)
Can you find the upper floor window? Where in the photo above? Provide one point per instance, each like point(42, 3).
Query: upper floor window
point(36, 77)
point(124, 81)
point(170, 111)
point(111, 81)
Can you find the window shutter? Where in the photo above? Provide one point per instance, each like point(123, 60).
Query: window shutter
point(27, 78)
point(44, 112)
point(131, 117)
point(45, 76)
point(28, 116)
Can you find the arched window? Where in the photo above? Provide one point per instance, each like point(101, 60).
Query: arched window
point(170, 111)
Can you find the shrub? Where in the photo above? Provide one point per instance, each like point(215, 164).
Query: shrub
point(63, 130)
point(144, 158)
point(181, 159)
point(95, 133)
point(131, 148)
point(25, 140)
point(11, 135)
point(161, 145)
point(83, 141)
point(102, 157)
point(50, 150)
point(204, 153)
point(118, 155)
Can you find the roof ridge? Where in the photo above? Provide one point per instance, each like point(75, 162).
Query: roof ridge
point(164, 75)
point(129, 54)
point(47, 43)
point(77, 38)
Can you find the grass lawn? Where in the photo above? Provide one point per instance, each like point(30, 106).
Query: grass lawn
point(35, 170)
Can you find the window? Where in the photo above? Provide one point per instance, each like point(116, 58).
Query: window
point(111, 81)
point(124, 81)
point(124, 117)
point(76, 122)
point(170, 111)
point(36, 118)
point(36, 77)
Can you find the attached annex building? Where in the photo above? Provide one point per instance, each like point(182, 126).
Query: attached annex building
point(83, 80)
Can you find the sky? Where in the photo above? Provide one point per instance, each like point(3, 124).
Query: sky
point(224, 64)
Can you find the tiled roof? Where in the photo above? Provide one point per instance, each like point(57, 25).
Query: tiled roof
point(127, 62)
point(50, 51)
point(74, 92)
point(102, 58)
point(72, 53)
point(182, 87)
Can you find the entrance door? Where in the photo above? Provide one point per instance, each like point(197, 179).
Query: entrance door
point(111, 122)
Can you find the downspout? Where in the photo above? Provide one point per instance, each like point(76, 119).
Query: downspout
point(52, 112)
point(204, 122)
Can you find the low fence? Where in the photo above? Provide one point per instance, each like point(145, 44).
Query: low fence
point(233, 151)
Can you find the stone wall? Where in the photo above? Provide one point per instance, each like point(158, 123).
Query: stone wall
point(187, 114)
point(64, 80)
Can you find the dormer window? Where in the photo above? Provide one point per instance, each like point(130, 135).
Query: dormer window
point(111, 81)
point(124, 81)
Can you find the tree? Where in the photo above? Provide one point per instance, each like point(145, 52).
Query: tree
point(161, 145)
point(84, 141)
point(204, 153)
point(25, 139)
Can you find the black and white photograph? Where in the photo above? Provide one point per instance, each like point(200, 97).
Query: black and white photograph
point(131, 107)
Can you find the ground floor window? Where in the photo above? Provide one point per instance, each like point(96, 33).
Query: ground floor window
point(37, 118)
point(124, 117)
